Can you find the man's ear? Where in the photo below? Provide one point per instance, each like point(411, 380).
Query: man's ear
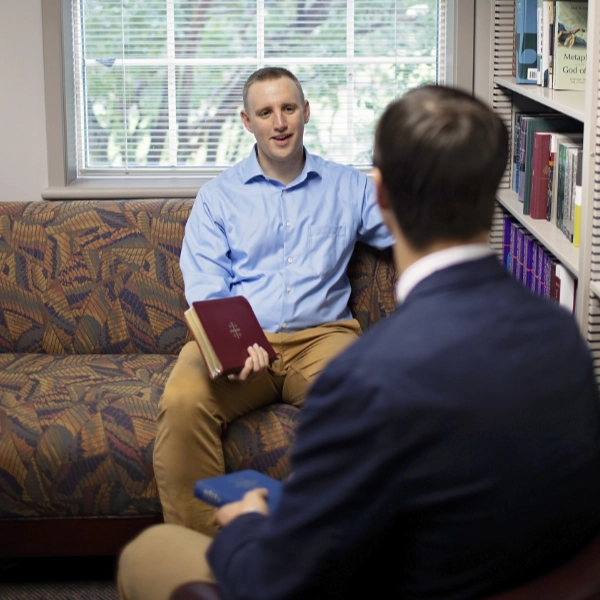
point(246, 120)
point(383, 200)
point(306, 112)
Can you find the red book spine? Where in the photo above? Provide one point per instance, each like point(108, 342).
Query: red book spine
point(538, 205)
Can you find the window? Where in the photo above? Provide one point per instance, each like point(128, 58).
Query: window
point(158, 83)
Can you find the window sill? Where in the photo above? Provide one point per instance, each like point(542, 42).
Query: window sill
point(123, 187)
point(98, 188)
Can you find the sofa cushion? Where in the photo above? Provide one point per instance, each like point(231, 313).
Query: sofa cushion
point(92, 276)
point(262, 440)
point(77, 434)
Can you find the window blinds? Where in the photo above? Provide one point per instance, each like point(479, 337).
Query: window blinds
point(158, 83)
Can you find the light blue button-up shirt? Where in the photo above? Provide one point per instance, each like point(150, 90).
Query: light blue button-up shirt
point(284, 247)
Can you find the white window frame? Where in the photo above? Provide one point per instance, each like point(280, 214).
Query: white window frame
point(64, 182)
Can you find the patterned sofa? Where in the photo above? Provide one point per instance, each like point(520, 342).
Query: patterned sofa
point(91, 303)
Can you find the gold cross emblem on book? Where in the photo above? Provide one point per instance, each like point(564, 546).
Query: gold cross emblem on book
point(235, 331)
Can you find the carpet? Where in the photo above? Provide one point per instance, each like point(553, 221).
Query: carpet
point(88, 590)
point(64, 578)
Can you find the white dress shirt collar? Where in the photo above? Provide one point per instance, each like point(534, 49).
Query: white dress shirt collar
point(436, 261)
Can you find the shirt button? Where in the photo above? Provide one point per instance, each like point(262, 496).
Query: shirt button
point(285, 191)
point(288, 224)
point(288, 289)
point(283, 325)
point(289, 260)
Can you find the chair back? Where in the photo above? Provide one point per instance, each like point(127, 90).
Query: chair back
point(577, 579)
point(195, 590)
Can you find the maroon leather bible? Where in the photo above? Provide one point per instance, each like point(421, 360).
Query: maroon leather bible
point(224, 328)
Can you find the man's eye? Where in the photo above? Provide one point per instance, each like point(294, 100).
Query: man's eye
point(264, 113)
point(289, 109)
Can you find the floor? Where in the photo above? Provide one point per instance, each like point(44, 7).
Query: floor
point(78, 568)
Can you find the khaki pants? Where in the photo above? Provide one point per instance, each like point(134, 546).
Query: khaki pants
point(194, 410)
point(160, 559)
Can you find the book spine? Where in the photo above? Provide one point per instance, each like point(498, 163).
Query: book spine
point(551, 204)
point(560, 186)
point(543, 268)
point(566, 288)
point(546, 36)
point(520, 253)
point(578, 199)
point(522, 152)
point(526, 41)
point(554, 282)
point(507, 222)
point(528, 278)
point(539, 252)
point(567, 202)
point(535, 274)
point(539, 176)
point(514, 261)
point(516, 150)
point(552, 13)
point(540, 39)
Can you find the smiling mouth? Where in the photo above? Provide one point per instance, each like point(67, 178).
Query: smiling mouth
point(282, 138)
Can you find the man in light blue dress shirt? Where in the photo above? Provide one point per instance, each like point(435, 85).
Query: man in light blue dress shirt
point(278, 228)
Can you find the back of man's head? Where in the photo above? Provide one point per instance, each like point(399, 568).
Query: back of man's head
point(266, 74)
point(441, 154)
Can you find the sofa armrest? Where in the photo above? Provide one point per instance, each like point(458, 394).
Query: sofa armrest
point(373, 277)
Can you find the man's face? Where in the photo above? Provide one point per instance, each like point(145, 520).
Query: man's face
point(276, 115)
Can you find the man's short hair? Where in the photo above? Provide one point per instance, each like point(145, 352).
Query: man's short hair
point(266, 74)
point(442, 154)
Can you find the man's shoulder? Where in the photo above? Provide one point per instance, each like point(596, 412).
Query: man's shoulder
point(336, 169)
point(233, 175)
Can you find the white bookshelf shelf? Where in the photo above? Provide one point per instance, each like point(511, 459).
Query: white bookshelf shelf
point(544, 231)
point(567, 102)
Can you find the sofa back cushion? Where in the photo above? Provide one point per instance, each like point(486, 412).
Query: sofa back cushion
point(103, 277)
point(98, 276)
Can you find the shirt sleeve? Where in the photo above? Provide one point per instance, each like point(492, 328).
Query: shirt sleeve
point(205, 254)
point(373, 230)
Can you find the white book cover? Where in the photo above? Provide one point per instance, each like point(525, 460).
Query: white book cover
point(567, 288)
point(570, 45)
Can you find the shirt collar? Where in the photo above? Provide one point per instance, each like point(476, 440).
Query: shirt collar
point(436, 261)
point(252, 168)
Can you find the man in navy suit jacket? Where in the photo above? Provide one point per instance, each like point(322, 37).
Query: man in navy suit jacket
point(454, 450)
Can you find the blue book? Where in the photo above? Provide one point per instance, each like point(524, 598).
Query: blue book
point(506, 242)
point(232, 487)
point(526, 41)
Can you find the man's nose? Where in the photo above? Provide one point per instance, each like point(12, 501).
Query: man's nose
point(280, 121)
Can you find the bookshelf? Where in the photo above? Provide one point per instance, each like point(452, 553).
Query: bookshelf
point(549, 235)
point(569, 103)
point(504, 92)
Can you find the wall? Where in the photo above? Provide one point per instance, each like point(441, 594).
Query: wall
point(23, 152)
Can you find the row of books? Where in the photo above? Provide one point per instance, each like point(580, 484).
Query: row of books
point(547, 169)
point(539, 270)
point(551, 43)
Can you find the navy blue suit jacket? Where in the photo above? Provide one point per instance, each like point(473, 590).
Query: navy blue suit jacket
point(452, 452)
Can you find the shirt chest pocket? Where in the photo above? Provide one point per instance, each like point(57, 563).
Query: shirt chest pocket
point(326, 245)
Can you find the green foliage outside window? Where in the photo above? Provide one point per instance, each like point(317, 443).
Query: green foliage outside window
point(160, 81)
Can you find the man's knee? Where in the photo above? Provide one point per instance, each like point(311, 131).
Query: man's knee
point(159, 559)
point(187, 390)
point(144, 543)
